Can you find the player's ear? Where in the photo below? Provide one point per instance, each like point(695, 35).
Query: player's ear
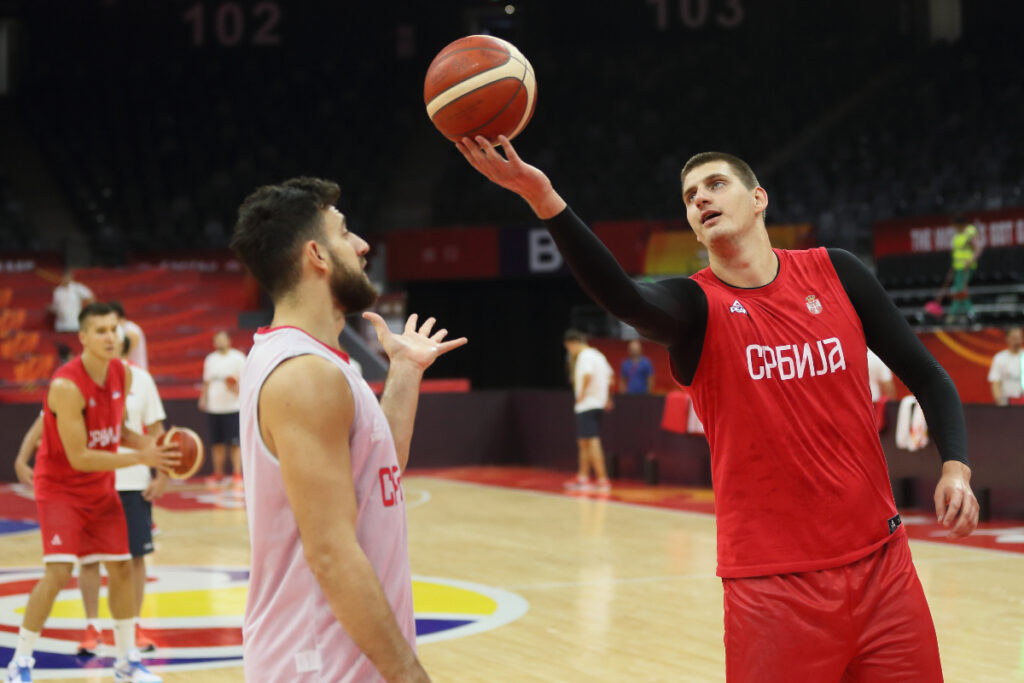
point(760, 200)
point(315, 255)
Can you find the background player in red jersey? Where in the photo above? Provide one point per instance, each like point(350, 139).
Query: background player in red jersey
point(80, 514)
point(815, 564)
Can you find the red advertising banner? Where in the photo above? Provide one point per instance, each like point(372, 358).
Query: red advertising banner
point(198, 260)
point(12, 262)
point(1002, 228)
point(443, 254)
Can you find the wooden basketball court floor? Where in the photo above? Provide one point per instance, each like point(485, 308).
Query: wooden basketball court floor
point(539, 585)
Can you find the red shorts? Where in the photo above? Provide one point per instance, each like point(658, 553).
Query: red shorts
point(77, 532)
point(865, 621)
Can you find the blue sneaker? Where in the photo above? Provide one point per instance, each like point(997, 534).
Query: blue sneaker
point(20, 670)
point(132, 670)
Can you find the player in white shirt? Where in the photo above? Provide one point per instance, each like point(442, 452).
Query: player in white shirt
point(143, 414)
point(136, 338)
point(330, 589)
point(219, 400)
point(1005, 373)
point(68, 299)
point(592, 385)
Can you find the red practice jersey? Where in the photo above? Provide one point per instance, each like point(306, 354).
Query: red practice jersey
point(800, 478)
point(55, 478)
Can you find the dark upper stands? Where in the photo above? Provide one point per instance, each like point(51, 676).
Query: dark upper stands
point(848, 115)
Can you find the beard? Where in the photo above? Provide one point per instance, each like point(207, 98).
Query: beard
point(351, 289)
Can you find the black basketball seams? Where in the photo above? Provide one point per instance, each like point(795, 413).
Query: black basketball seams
point(501, 111)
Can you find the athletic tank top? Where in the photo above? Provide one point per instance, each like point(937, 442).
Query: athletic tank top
point(800, 478)
point(55, 478)
point(290, 632)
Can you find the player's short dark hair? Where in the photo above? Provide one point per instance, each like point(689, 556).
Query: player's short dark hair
point(740, 168)
point(94, 310)
point(273, 223)
point(574, 335)
point(118, 308)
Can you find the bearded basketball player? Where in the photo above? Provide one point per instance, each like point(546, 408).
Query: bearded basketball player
point(330, 590)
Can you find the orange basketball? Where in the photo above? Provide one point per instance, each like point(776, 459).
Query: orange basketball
point(191, 448)
point(480, 85)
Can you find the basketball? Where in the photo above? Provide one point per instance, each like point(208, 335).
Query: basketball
point(191, 448)
point(480, 85)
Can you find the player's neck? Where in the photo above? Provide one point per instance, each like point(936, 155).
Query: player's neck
point(95, 367)
point(746, 261)
point(313, 312)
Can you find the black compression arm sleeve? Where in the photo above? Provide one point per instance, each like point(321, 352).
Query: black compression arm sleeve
point(668, 312)
point(889, 335)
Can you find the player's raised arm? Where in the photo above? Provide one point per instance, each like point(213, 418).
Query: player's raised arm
point(309, 432)
point(661, 311)
point(410, 354)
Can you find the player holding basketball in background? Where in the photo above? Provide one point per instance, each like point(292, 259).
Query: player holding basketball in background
point(144, 413)
point(80, 514)
point(815, 564)
point(330, 592)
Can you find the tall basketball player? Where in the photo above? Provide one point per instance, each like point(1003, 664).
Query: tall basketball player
point(330, 592)
point(80, 514)
point(816, 568)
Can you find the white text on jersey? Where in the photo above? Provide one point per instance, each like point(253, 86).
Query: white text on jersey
point(793, 361)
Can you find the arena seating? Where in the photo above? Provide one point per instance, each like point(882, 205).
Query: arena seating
point(177, 310)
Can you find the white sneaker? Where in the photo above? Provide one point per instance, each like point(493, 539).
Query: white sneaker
point(132, 670)
point(20, 670)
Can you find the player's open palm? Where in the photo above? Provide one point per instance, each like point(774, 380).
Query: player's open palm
point(512, 173)
point(419, 347)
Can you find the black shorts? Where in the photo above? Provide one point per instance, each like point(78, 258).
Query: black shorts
point(224, 428)
point(588, 423)
point(138, 512)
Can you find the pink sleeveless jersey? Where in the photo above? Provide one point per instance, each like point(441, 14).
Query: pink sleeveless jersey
point(290, 633)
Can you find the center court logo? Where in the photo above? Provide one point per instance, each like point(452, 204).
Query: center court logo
point(194, 614)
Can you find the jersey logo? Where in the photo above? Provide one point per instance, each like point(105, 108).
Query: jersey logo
point(103, 438)
point(813, 305)
point(117, 395)
point(92, 402)
point(56, 540)
point(737, 307)
point(894, 524)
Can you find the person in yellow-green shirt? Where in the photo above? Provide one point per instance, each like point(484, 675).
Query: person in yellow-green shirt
point(966, 249)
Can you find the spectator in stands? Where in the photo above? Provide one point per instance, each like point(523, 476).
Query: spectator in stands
point(965, 253)
point(592, 383)
point(636, 375)
point(219, 399)
point(69, 297)
point(1005, 373)
point(126, 329)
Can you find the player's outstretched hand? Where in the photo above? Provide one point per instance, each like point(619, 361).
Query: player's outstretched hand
point(163, 458)
point(419, 347)
point(955, 505)
point(512, 173)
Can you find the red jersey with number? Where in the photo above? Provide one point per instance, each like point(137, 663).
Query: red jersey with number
point(55, 478)
point(800, 479)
